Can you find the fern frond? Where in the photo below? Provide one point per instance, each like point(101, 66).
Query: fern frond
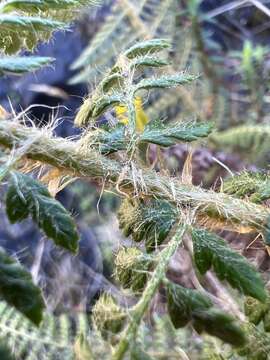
point(252, 141)
point(128, 22)
point(121, 84)
point(53, 340)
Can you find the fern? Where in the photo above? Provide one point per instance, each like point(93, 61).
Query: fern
point(250, 141)
point(53, 340)
point(128, 22)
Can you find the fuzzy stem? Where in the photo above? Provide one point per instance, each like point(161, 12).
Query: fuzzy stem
point(150, 290)
point(67, 155)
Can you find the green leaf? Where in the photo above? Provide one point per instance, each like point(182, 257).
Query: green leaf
point(104, 103)
point(5, 351)
point(182, 303)
point(162, 134)
point(165, 81)
point(217, 323)
point(147, 47)
point(148, 61)
point(211, 250)
point(20, 65)
point(111, 81)
point(191, 306)
point(17, 289)
point(26, 23)
point(34, 6)
point(150, 221)
point(26, 196)
point(112, 140)
point(18, 32)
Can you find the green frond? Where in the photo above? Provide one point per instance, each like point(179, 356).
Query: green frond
point(169, 134)
point(20, 65)
point(164, 82)
point(252, 141)
point(148, 61)
point(23, 23)
point(156, 132)
point(129, 21)
point(51, 341)
point(211, 250)
point(147, 47)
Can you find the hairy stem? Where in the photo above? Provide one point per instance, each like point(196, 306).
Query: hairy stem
point(67, 155)
point(151, 288)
